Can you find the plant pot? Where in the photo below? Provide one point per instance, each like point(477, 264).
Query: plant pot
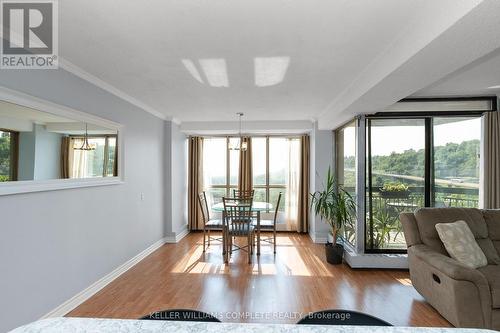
point(334, 253)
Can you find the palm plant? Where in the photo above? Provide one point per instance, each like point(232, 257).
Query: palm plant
point(334, 205)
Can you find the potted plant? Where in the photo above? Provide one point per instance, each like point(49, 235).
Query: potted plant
point(394, 191)
point(336, 207)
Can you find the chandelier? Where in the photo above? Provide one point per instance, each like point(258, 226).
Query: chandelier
point(86, 145)
point(239, 144)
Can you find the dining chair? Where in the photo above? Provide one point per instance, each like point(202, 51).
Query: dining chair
point(238, 224)
point(269, 225)
point(209, 224)
point(243, 193)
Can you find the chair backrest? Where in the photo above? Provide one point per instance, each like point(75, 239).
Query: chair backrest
point(238, 214)
point(277, 207)
point(205, 213)
point(243, 193)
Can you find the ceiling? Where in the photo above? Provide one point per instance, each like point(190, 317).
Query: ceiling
point(194, 60)
point(480, 78)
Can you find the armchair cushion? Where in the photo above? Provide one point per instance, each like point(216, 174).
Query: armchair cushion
point(461, 244)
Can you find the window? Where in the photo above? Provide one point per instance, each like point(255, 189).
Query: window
point(220, 168)
point(429, 161)
point(8, 155)
point(100, 162)
point(396, 178)
point(456, 162)
point(346, 169)
point(275, 169)
point(275, 166)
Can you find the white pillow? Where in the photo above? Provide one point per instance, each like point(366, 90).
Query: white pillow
point(461, 244)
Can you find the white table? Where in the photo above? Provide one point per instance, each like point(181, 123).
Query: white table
point(74, 325)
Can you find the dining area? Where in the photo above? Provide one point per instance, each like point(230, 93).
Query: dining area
point(239, 225)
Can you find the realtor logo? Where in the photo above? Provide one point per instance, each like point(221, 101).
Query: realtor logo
point(29, 34)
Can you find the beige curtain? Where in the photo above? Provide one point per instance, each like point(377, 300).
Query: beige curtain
point(291, 196)
point(245, 169)
point(195, 182)
point(303, 201)
point(492, 160)
point(65, 152)
point(78, 159)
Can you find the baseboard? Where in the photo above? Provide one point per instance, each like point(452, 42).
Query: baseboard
point(387, 261)
point(176, 237)
point(318, 238)
point(84, 295)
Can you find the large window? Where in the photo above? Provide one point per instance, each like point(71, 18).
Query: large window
point(345, 139)
point(99, 162)
point(8, 155)
point(275, 169)
point(418, 162)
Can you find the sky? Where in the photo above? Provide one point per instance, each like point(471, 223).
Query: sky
point(386, 140)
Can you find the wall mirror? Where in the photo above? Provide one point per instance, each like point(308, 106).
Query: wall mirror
point(38, 146)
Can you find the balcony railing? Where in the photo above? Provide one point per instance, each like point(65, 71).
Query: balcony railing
point(384, 229)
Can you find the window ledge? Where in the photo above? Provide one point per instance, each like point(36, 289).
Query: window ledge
point(30, 186)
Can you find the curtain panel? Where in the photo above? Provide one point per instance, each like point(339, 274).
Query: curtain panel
point(303, 194)
point(65, 152)
point(492, 160)
point(245, 168)
point(195, 182)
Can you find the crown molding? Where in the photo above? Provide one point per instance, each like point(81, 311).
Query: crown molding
point(72, 68)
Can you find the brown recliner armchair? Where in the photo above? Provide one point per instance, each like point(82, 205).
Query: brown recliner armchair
point(465, 297)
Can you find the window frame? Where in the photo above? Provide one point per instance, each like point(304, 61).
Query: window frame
point(106, 138)
point(428, 118)
point(14, 153)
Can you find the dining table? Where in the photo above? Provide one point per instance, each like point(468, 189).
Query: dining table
point(258, 207)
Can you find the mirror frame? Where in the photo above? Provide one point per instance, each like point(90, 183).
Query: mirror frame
point(28, 186)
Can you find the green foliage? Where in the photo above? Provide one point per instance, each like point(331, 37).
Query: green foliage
point(395, 187)
point(334, 205)
point(451, 160)
point(4, 178)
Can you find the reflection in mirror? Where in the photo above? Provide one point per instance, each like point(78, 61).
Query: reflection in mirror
point(36, 145)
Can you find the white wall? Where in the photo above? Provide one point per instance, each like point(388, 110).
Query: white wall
point(175, 180)
point(47, 154)
point(55, 244)
point(321, 159)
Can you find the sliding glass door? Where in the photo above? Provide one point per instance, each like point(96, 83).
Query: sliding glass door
point(396, 178)
point(417, 162)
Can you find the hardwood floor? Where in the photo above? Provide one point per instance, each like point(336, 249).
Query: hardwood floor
point(273, 289)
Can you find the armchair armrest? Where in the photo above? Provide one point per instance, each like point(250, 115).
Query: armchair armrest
point(461, 294)
point(447, 265)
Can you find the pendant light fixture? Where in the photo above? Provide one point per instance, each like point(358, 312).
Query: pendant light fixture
point(86, 146)
point(239, 145)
